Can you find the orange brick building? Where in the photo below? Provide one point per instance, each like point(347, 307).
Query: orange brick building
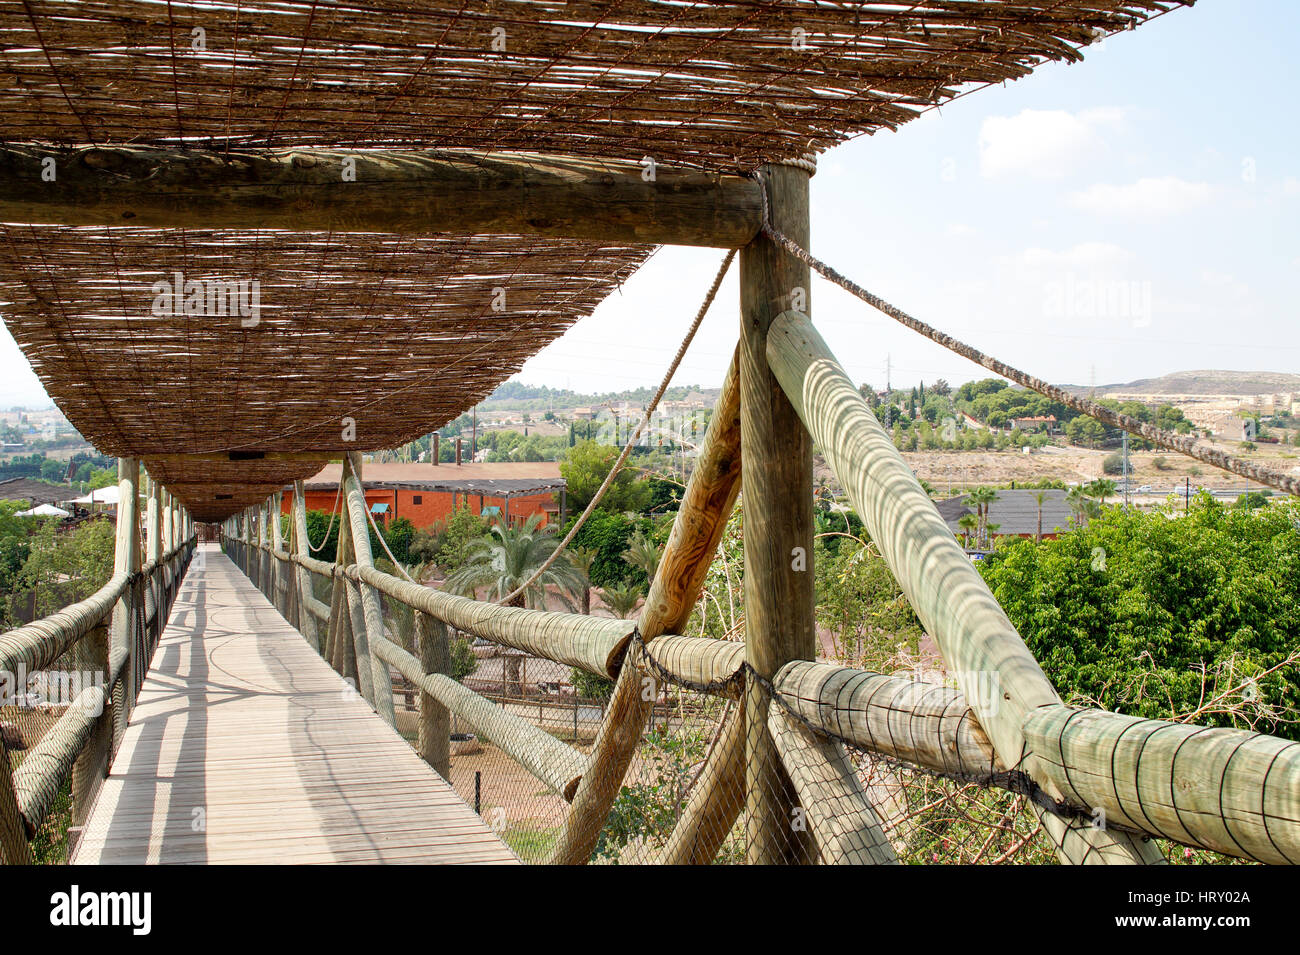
point(425, 494)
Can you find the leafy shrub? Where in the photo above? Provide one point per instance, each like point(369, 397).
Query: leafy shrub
point(1174, 601)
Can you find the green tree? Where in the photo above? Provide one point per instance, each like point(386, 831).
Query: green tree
point(585, 468)
point(582, 559)
point(505, 560)
point(1100, 489)
point(643, 554)
point(622, 599)
point(1180, 610)
point(969, 524)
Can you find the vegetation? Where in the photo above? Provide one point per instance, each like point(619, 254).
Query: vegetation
point(585, 468)
point(508, 558)
point(1178, 616)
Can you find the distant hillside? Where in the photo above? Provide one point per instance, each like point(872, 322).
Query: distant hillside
point(1203, 383)
point(514, 395)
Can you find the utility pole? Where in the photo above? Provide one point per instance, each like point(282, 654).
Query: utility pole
point(1187, 494)
point(1124, 434)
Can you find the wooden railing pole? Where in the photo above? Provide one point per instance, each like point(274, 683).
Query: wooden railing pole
point(279, 569)
point(777, 459)
point(153, 534)
point(372, 613)
point(126, 559)
point(435, 722)
point(700, 523)
point(306, 622)
point(994, 669)
point(343, 652)
point(14, 848)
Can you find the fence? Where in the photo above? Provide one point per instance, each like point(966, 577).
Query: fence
point(70, 681)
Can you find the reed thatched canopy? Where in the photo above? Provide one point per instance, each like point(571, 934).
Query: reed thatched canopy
point(401, 332)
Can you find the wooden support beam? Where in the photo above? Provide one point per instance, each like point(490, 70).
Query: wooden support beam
point(700, 523)
point(842, 821)
point(927, 724)
point(994, 669)
point(596, 644)
point(372, 625)
point(414, 192)
point(778, 508)
point(306, 593)
point(126, 560)
point(434, 743)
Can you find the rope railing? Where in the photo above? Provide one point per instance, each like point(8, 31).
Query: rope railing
point(1183, 444)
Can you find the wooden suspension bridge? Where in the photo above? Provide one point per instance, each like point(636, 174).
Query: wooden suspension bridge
point(233, 723)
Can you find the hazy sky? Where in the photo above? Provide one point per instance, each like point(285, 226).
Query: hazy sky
point(1120, 218)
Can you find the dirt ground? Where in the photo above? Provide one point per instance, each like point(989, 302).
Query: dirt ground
point(951, 471)
point(507, 785)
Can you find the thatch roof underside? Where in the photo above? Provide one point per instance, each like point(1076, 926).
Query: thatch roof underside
point(399, 332)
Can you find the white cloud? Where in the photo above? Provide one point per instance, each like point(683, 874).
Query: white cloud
point(1291, 186)
point(1044, 144)
point(960, 230)
point(1146, 197)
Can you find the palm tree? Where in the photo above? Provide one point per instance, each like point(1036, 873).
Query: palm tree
point(1101, 489)
point(982, 497)
point(1081, 504)
point(643, 553)
point(582, 559)
point(1041, 498)
point(506, 558)
point(968, 522)
point(621, 599)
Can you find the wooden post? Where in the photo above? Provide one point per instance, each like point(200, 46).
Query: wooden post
point(153, 534)
point(436, 455)
point(700, 523)
point(778, 509)
point(435, 722)
point(306, 622)
point(457, 452)
point(342, 651)
point(373, 618)
point(279, 588)
point(126, 560)
point(14, 848)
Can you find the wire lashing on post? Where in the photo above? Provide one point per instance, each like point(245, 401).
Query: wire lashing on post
point(1014, 780)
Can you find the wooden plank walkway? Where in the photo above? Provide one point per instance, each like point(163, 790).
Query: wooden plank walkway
point(245, 747)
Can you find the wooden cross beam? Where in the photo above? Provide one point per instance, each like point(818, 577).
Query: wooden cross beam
point(394, 191)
